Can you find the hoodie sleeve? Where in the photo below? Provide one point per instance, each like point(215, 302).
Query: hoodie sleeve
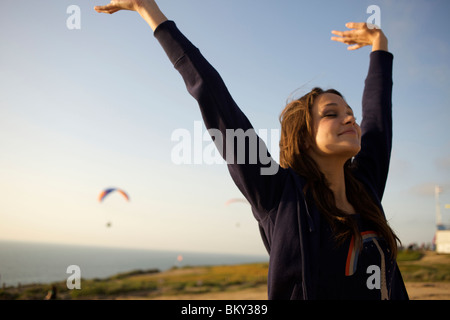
point(256, 174)
point(373, 160)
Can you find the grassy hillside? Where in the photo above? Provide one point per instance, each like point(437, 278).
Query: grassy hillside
point(430, 267)
point(192, 281)
point(153, 284)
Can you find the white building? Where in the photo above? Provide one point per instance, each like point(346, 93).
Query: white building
point(442, 241)
point(442, 237)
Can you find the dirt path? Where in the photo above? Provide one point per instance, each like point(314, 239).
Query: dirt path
point(259, 293)
point(416, 291)
point(428, 290)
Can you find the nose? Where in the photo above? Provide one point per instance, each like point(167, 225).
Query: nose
point(349, 119)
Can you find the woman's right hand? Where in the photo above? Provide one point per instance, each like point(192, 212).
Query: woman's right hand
point(148, 9)
point(116, 5)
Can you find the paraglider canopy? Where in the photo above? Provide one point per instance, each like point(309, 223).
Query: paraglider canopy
point(106, 192)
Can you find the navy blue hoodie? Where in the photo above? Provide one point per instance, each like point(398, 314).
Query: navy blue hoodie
point(289, 224)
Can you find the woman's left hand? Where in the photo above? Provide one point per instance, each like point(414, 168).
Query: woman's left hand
point(361, 35)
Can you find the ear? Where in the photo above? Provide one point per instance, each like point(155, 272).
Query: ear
point(307, 146)
point(307, 143)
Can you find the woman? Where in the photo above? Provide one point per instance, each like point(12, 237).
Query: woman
point(320, 213)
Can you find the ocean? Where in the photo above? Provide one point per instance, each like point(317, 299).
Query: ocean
point(26, 262)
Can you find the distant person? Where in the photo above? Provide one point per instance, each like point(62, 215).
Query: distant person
point(52, 293)
point(320, 212)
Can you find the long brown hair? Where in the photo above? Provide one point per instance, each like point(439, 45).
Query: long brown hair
point(296, 135)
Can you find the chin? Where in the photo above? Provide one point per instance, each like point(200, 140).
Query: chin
point(352, 151)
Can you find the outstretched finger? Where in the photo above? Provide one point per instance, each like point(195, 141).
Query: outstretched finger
point(348, 33)
point(355, 25)
point(355, 47)
point(338, 33)
point(338, 39)
point(106, 9)
point(342, 33)
point(100, 8)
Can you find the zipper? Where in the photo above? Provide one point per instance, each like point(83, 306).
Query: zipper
point(311, 229)
point(302, 251)
point(305, 293)
point(310, 221)
point(308, 215)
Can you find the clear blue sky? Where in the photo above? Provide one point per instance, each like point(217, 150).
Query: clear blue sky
point(82, 110)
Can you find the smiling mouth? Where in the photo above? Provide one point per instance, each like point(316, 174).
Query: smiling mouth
point(351, 131)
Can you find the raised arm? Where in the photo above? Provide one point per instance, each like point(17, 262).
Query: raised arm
point(253, 170)
point(372, 162)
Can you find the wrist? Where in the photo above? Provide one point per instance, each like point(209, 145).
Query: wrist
point(144, 5)
point(151, 13)
point(379, 42)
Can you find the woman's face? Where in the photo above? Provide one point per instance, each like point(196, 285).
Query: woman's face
point(335, 131)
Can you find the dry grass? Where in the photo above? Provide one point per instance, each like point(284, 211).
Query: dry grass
point(426, 275)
